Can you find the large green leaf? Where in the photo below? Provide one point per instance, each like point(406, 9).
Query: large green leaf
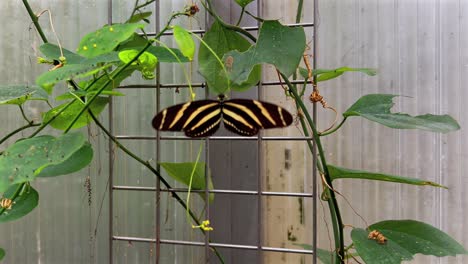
point(106, 39)
point(23, 204)
point(376, 107)
point(343, 173)
point(221, 40)
point(63, 120)
point(279, 45)
point(25, 159)
point(185, 42)
point(405, 238)
point(2, 253)
point(76, 162)
point(52, 52)
point(18, 94)
point(48, 79)
point(181, 172)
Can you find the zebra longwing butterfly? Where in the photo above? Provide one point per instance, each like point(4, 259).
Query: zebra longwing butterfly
point(202, 118)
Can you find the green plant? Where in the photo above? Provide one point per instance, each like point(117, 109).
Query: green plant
point(229, 62)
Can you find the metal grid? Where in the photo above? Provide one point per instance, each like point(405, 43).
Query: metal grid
point(259, 193)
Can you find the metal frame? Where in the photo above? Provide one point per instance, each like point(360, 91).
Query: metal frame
point(260, 138)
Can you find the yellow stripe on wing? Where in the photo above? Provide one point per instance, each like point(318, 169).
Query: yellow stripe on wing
point(237, 117)
point(179, 114)
point(246, 110)
point(265, 112)
point(198, 111)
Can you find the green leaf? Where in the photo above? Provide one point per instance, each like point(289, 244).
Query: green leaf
point(138, 42)
point(325, 256)
point(2, 253)
point(221, 40)
point(139, 17)
point(146, 62)
point(164, 55)
point(327, 74)
point(81, 93)
point(181, 172)
point(18, 94)
point(106, 39)
point(48, 79)
point(376, 107)
point(52, 52)
point(185, 42)
point(23, 204)
point(244, 3)
point(343, 173)
point(26, 158)
point(279, 45)
point(63, 120)
point(76, 162)
point(102, 79)
point(405, 238)
point(109, 57)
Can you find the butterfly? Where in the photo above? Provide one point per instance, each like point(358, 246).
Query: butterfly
point(202, 118)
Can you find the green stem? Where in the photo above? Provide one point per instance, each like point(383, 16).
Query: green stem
point(334, 129)
point(24, 115)
point(300, 5)
point(17, 131)
point(117, 72)
point(35, 21)
point(44, 124)
point(332, 202)
point(224, 24)
point(153, 170)
point(137, 7)
point(240, 17)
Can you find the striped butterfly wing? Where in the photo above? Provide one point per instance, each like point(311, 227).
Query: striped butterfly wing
point(197, 119)
point(246, 117)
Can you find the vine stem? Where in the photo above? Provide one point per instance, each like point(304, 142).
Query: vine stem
point(240, 17)
point(332, 202)
point(140, 6)
point(208, 6)
point(117, 72)
point(156, 172)
point(334, 129)
point(17, 131)
point(24, 114)
point(35, 20)
point(123, 148)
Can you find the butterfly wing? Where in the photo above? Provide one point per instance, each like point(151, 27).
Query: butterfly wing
point(197, 119)
point(246, 117)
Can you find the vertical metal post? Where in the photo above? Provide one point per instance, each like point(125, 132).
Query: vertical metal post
point(157, 13)
point(314, 150)
point(111, 160)
point(260, 166)
point(207, 166)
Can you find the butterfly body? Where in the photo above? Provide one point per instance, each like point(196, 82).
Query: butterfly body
point(203, 117)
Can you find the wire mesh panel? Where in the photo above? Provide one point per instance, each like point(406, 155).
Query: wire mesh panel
point(259, 213)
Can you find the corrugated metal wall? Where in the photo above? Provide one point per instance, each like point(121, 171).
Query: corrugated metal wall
point(420, 49)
